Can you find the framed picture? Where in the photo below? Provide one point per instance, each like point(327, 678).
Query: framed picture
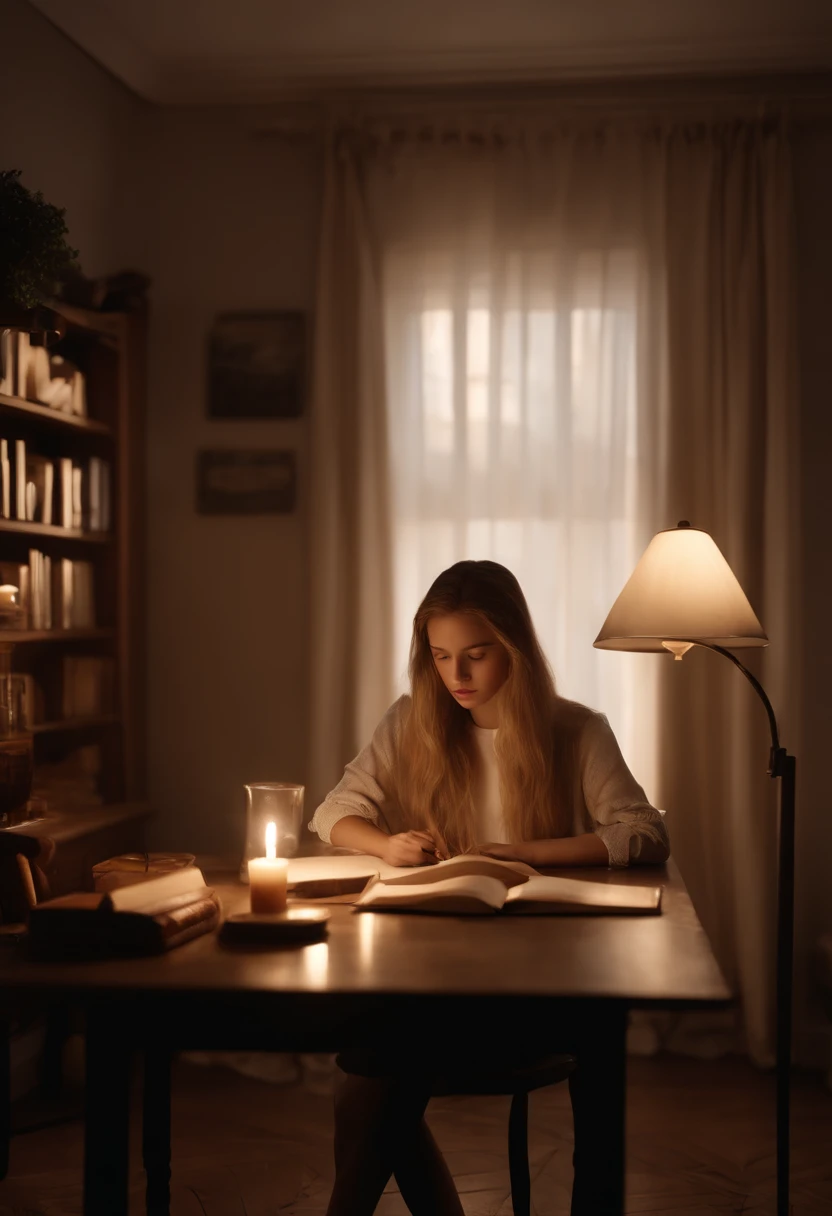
point(232, 482)
point(257, 365)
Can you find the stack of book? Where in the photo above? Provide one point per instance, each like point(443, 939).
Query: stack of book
point(32, 373)
point(61, 492)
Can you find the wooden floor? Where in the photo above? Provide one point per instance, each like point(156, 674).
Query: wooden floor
point(700, 1140)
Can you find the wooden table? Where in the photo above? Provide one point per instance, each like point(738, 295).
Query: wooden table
point(404, 972)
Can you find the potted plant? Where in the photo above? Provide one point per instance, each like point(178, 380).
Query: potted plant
point(34, 255)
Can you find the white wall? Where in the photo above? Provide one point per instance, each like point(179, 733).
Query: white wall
point(231, 225)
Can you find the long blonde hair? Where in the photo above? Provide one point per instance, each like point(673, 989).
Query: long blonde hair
point(536, 760)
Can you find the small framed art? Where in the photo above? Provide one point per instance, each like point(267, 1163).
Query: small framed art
point(257, 365)
point(257, 482)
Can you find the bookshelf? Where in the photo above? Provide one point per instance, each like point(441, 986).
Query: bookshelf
point(82, 643)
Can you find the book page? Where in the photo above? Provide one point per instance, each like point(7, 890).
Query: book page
point(509, 873)
point(340, 869)
point(145, 896)
point(471, 893)
point(578, 895)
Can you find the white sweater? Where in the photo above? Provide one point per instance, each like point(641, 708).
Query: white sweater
point(608, 800)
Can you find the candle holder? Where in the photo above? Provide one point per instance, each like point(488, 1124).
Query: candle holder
point(277, 802)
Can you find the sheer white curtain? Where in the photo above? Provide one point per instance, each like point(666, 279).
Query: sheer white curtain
point(539, 342)
point(524, 354)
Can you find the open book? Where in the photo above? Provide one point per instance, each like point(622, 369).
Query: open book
point(146, 918)
point(349, 873)
point(483, 885)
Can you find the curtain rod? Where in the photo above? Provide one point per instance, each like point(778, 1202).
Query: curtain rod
point(804, 98)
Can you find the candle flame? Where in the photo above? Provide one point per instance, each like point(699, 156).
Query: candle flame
point(271, 841)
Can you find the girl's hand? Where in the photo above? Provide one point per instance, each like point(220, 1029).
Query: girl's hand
point(411, 849)
point(503, 852)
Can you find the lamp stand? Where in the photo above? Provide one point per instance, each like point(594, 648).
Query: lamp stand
point(781, 765)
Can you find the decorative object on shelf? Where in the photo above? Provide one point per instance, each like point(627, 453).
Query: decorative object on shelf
point(16, 745)
point(233, 482)
point(33, 257)
point(12, 606)
point(277, 802)
point(257, 365)
point(681, 594)
point(130, 868)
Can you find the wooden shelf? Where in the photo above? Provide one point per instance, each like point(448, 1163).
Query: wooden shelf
point(69, 823)
point(43, 728)
point(30, 528)
point(55, 635)
point(31, 409)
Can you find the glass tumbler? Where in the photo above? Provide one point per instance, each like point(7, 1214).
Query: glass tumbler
point(277, 802)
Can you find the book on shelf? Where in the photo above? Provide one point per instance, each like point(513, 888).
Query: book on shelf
point(484, 885)
point(40, 479)
point(97, 500)
point(40, 590)
point(21, 358)
point(20, 479)
point(77, 484)
point(8, 382)
point(37, 374)
point(147, 917)
point(65, 483)
point(5, 480)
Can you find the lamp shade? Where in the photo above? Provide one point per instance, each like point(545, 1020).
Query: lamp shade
point(681, 589)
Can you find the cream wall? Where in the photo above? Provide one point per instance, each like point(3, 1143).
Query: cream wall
point(68, 126)
point(231, 222)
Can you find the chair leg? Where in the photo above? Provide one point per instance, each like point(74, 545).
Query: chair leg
point(518, 1155)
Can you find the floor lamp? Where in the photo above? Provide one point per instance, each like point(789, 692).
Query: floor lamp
point(683, 593)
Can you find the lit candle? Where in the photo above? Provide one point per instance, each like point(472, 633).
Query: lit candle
point(267, 877)
point(8, 596)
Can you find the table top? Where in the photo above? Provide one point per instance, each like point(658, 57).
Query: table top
point(662, 961)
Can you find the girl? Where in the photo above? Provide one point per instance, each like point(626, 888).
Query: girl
point(483, 757)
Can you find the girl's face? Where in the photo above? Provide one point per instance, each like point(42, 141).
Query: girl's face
point(472, 663)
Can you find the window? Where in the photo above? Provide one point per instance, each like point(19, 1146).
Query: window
point(513, 426)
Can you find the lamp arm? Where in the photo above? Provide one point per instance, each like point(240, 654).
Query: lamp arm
point(761, 693)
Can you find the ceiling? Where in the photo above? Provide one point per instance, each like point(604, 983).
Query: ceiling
point(208, 51)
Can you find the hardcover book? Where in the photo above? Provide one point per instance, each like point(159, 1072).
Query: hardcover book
point(148, 917)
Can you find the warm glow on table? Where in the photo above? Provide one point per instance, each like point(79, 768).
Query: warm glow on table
point(267, 877)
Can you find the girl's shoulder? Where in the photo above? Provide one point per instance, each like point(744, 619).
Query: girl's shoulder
point(395, 717)
point(577, 721)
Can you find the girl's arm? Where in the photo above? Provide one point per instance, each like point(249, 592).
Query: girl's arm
point(403, 849)
point(585, 850)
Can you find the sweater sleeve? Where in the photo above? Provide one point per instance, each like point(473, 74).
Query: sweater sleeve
point(360, 790)
point(632, 829)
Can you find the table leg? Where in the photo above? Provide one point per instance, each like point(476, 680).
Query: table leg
point(5, 1095)
point(156, 1130)
point(106, 1116)
point(598, 1092)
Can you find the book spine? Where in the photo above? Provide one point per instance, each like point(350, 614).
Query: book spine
point(20, 478)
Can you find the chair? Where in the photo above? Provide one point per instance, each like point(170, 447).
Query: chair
point(519, 1083)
